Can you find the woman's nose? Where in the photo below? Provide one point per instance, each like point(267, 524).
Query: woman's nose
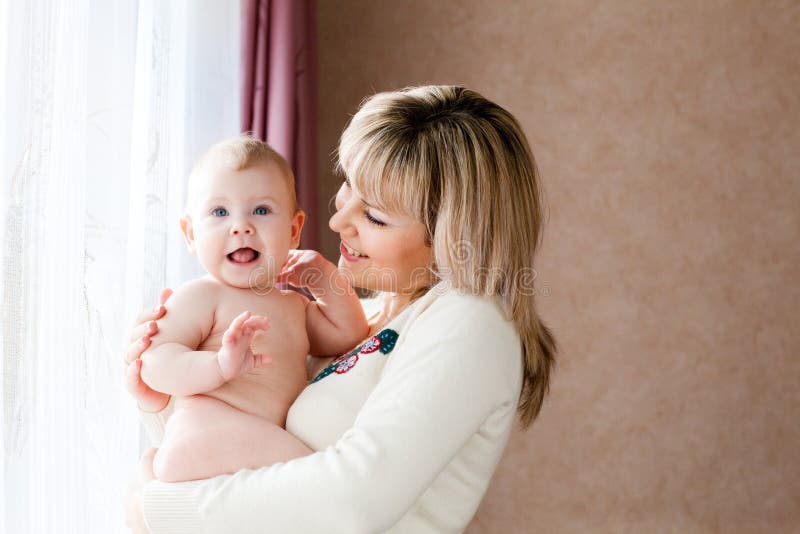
point(334, 223)
point(340, 221)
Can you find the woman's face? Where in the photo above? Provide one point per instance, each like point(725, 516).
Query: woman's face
point(380, 251)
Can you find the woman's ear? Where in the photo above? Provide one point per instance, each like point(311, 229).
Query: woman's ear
point(188, 231)
point(297, 227)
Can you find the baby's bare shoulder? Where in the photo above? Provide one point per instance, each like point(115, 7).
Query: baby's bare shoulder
point(198, 294)
point(203, 286)
point(190, 313)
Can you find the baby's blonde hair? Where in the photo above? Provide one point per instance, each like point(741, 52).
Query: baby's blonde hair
point(240, 153)
point(459, 163)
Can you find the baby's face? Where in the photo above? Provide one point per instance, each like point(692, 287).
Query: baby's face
point(242, 224)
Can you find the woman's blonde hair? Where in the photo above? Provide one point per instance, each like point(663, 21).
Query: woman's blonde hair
point(459, 163)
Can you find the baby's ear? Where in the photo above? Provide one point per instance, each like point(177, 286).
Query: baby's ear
point(188, 231)
point(297, 227)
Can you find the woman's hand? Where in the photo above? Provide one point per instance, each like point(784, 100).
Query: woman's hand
point(134, 511)
point(146, 327)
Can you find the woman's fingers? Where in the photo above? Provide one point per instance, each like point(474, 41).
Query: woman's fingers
point(165, 294)
point(151, 314)
point(148, 399)
point(156, 312)
point(133, 379)
point(150, 328)
point(136, 349)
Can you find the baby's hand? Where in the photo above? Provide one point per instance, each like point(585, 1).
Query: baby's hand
point(235, 356)
point(305, 268)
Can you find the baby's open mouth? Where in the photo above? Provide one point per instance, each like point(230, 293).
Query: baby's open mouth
point(243, 255)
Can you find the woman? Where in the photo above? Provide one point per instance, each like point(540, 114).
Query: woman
point(440, 214)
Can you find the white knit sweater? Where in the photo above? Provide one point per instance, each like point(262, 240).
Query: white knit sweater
point(408, 429)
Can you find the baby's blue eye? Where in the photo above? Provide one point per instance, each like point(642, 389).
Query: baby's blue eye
point(261, 210)
point(219, 212)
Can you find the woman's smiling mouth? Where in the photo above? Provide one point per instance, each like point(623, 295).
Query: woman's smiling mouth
point(351, 254)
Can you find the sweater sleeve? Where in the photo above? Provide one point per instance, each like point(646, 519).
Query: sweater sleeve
point(458, 364)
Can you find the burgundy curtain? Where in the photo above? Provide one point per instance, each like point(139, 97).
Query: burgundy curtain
point(279, 91)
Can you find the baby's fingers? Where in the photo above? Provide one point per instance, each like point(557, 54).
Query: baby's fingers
point(292, 258)
point(240, 320)
point(257, 322)
point(236, 327)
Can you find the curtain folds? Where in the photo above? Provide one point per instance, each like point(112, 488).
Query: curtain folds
point(279, 92)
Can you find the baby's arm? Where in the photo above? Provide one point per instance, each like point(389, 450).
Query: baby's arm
point(172, 365)
point(335, 319)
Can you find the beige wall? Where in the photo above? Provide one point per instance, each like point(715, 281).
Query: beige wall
point(667, 136)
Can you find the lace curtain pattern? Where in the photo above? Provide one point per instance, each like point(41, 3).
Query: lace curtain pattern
point(105, 106)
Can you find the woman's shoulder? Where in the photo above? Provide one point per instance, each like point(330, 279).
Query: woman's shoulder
point(460, 332)
point(472, 322)
point(460, 306)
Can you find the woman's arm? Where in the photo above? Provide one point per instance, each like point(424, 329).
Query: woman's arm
point(437, 390)
point(154, 406)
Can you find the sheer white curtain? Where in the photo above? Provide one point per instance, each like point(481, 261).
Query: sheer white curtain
point(105, 104)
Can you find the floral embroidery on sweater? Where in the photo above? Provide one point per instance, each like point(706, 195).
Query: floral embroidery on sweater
point(383, 341)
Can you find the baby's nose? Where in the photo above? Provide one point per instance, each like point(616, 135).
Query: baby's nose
point(239, 228)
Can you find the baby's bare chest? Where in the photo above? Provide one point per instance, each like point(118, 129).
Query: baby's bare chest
point(275, 385)
point(286, 335)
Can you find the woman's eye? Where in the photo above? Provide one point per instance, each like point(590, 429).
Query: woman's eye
point(373, 220)
point(261, 210)
point(219, 212)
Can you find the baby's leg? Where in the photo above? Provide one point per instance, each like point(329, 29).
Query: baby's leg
point(213, 438)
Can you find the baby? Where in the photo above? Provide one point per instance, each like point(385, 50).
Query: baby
point(233, 374)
